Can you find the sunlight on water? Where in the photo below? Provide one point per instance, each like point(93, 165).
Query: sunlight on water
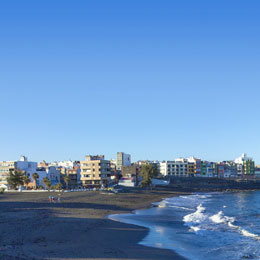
point(203, 226)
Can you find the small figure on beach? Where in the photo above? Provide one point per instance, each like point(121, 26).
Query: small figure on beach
point(59, 198)
point(51, 199)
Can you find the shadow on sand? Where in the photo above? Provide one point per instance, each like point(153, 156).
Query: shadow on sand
point(40, 230)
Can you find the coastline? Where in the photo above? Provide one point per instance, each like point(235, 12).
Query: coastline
point(77, 228)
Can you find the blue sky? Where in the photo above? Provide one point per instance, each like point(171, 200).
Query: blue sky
point(156, 79)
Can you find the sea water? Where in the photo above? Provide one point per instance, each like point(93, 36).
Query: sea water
point(203, 226)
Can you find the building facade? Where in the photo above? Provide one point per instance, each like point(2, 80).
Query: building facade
point(122, 159)
point(95, 171)
point(178, 167)
point(245, 165)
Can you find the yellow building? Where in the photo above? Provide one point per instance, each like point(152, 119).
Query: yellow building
point(191, 169)
point(95, 171)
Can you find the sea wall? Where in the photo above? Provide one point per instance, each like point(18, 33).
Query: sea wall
point(212, 184)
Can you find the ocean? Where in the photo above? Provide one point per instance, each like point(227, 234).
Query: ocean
point(203, 225)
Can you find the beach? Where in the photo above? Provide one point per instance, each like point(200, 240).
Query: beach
point(78, 227)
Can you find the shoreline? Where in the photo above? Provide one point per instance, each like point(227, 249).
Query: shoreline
point(34, 229)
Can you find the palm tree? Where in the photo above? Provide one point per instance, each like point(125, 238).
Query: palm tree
point(47, 182)
point(67, 180)
point(15, 178)
point(26, 180)
point(35, 176)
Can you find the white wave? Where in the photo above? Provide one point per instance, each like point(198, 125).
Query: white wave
point(248, 234)
point(197, 196)
point(179, 207)
point(194, 228)
point(244, 232)
point(185, 197)
point(204, 196)
point(233, 226)
point(197, 217)
point(162, 206)
point(221, 218)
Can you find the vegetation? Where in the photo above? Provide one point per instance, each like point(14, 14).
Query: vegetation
point(58, 186)
point(35, 176)
point(2, 190)
point(26, 180)
point(47, 182)
point(148, 172)
point(15, 178)
point(67, 180)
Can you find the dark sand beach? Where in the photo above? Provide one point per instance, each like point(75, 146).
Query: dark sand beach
point(76, 228)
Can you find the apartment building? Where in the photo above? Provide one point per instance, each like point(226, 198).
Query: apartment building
point(195, 166)
point(122, 159)
point(74, 176)
point(22, 165)
point(178, 167)
point(64, 164)
point(5, 168)
point(95, 171)
point(245, 165)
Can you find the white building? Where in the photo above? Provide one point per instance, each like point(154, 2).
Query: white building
point(23, 165)
point(122, 159)
point(64, 164)
point(244, 164)
point(51, 172)
point(29, 168)
point(243, 158)
point(178, 167)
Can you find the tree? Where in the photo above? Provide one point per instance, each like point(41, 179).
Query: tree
point(47, 182)
point(26, 180)
point(35, 176)
point(148, 172)
point(67, 180)
point(15, 178)
point(58, 186)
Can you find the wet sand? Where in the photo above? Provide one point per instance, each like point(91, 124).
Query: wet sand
point(76, 228)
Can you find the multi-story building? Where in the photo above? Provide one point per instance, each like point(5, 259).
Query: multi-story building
point(29, 168)
point(131, 171)
point(74, 176)
point(197, 167)
point(191, 166)
point(5, 168)
point(64, 164)
point(178, 167)
point(257, 171)
point(95, 171)
point(51, 172)
point(22, 165)
point(211, 169)
point(204, 165)
point(163, 168)
point(245, 165)
point(230, 169)
point(220, 170)
point(122, 159)
point(191, 169)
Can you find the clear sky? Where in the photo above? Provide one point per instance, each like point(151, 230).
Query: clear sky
point(156, 79)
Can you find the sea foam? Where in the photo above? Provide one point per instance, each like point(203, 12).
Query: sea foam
point(197, 217)
point(221, 218)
